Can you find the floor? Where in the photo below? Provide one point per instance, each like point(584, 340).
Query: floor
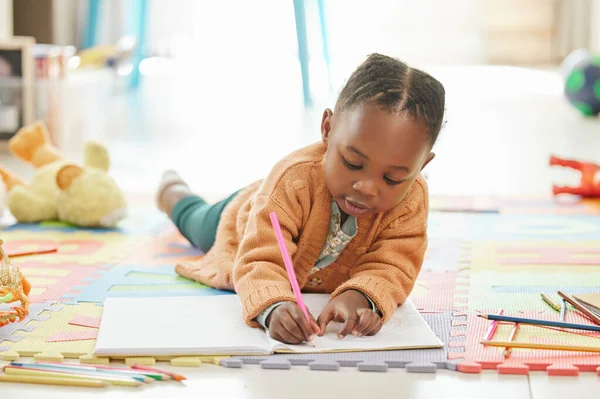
point(222, 127)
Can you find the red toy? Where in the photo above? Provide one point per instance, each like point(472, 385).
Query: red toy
point(590, 178)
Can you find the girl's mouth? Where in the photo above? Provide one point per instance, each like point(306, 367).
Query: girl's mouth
point(355, 208)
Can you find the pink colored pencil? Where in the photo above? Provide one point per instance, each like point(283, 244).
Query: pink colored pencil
point(289, 267)
point(513, 335)
point(489, 334)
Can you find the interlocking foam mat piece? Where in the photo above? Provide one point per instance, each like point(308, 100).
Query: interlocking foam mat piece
point(562, 205)
point(476, 262)
point(39, 340)
point(420, 361)
point(127, 281)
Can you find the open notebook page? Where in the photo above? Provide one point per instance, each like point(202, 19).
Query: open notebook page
point(177, 326)
point(405, 330)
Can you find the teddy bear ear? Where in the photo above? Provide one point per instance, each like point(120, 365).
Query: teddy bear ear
point(66, 175)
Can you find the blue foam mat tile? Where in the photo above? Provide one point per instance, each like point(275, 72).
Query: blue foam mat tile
point(511, 227)
point(414, 360)
point(163, 280)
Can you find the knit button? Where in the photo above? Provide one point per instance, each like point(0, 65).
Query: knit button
point(315, 281)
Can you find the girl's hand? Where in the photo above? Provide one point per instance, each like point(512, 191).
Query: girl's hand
point(288, 324)
point(354, 310)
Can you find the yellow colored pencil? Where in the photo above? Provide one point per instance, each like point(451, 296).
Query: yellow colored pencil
point(73, 382)
point(124, 382)
point(529, 345)
point(553, 304)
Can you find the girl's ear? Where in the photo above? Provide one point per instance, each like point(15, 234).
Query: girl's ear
point(326, 124)
point(429, 158)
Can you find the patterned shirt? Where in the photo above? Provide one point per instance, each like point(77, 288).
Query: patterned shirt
point(338, 238)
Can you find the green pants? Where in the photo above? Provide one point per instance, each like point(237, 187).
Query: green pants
point(197, 220)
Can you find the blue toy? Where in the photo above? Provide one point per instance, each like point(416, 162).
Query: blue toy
point(581, 71)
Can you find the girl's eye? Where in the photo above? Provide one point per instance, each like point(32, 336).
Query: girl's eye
point(350, 165)
point(391, 182)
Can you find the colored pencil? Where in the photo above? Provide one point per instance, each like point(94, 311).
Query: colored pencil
point(176, 377)
point(289, 268)
point(159, 376)
point(529, 345)
point(540, 322)
point(125, 382)
point(580, 307)
point(74, 382)
point(554, 305)
point(511, 338)
point(46, 250)
point(489, 334)
point(76, 367)
point(563, 310)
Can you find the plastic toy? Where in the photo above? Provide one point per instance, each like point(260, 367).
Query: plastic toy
point(590, 178)
point(581, 71)
point(13, 287)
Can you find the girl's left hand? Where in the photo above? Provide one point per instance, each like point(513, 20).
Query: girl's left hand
point(354, 310)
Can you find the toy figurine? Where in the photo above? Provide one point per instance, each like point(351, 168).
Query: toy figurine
point(590, 178)
point(13, 287)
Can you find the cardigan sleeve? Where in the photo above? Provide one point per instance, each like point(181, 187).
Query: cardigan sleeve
point(259, 275)
point(387, 272)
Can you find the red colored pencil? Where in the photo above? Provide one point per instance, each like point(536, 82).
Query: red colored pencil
point(45, 250)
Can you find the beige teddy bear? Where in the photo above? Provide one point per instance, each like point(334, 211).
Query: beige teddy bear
point(62, 190)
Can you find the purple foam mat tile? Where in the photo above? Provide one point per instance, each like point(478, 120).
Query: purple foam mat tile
point(231, 363)
point(324, 366)
point(300, 361)
point(35, 310)
point(421, 368)
point(422, 359)
point(373, 367)
point(276, 364)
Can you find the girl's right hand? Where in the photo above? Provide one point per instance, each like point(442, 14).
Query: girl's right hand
point(287, 323)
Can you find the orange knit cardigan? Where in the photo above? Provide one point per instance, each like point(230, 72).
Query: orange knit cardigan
point(382, 260)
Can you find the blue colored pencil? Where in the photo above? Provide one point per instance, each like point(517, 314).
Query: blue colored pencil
point(539, 322)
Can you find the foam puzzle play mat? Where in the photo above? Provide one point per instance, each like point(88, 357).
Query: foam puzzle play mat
point(493, 256)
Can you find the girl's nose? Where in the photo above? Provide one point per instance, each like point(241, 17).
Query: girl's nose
point(367, 188)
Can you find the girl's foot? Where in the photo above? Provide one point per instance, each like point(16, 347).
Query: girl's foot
point(172, 188)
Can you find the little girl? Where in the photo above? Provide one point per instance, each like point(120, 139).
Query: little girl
point(353, 209)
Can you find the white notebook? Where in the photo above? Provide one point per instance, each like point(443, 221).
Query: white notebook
point(211, 325)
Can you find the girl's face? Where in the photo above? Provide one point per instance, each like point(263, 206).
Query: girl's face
point(373, 156)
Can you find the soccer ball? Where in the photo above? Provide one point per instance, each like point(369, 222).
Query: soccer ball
point(581, 71)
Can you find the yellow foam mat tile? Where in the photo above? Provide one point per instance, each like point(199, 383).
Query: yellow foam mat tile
point(186, 362)
point(9, 356)
point(145, 361)
point(34, 342)
point(81, 247)
point(91, 359)
point(49, 357)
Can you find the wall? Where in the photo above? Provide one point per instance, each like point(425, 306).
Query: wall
point(6, 16)
point(595, 23)
point(64, 21)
